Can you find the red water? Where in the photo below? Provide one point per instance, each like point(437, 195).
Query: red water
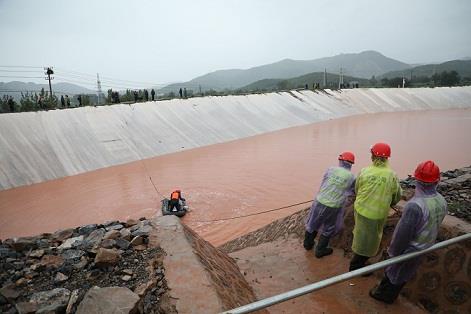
point(236, 178)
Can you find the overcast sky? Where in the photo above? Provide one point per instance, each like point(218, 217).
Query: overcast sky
point(167, 41)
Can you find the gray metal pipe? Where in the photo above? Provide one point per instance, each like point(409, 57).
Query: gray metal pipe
point(261, 304)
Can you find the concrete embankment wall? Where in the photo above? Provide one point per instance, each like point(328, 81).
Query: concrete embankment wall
point(40, 146)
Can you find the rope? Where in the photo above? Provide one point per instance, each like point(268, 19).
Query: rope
point(253, 214)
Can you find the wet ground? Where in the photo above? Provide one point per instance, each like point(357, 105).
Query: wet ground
point(276, 267)
point(237, 178)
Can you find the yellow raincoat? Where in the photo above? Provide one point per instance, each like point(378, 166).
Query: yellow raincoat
point(377, 189)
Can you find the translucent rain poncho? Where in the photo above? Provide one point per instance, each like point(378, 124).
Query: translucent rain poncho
point(337, 184)
point(416, 230)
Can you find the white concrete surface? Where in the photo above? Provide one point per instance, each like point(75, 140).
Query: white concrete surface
point(40, 146)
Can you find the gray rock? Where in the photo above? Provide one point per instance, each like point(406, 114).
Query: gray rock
point(9, 292)
point(72, 254)
point(112, 234)
point(23, 244)
point(122, 244)
point(71, 242)
point(62, 235)
point(125, 234)
point(60, 277)
point(26, 307)
point(110, 223)
point(53, 261)
point(72, 301)
point(131, 222)
point(95, 237)
point(82, 264)
point(86, 230)
point(108, 243)
point(108, 300)
point(37, 253)
point(115, 227)
point(138, 240)
point(107, 257)
point(142, 231)
point(126, 278)
point(52, 301)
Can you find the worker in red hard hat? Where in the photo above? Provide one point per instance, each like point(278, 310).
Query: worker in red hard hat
point(377, 189)
point(327, 210)
point(416, 230)
point(175, 203)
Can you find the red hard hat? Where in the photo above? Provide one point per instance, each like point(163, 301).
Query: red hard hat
point(347, 156)
point(381, 150)
point(427, 171)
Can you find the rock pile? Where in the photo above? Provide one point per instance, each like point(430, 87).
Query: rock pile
point(89, 269)
point(455, 186)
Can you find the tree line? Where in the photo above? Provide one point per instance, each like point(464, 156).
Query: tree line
point(44, 101)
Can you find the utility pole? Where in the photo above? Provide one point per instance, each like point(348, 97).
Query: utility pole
point(340, 77)
point(325, 77)
point(98, 84)
point(49, 72)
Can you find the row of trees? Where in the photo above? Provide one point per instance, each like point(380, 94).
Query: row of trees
point(37, 101)
point(44, 101)
point(445, 78)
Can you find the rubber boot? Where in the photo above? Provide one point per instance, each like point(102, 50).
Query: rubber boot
point(357, 262)
point(386, 291)
point(322, 249)
point(309, 240)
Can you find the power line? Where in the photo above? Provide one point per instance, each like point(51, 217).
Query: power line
point(21, 71)
point(20, 66)
point(15, 76)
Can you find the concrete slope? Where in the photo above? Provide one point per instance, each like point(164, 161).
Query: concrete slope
point(40, 146)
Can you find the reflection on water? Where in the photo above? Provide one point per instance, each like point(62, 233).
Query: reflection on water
point(236, 178)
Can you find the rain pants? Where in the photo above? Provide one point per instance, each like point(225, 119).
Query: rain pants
point(377, 189)
point(417, 230)
point(328, 208)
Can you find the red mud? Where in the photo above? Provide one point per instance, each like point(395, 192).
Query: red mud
point(239, 177)
point(278, 266)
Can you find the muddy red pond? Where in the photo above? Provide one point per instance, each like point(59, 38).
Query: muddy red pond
point(237, 178)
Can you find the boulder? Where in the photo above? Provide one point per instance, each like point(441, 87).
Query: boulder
point(71, 242)
point(86, 230)
point(72, 254)
point(126, 278)
point(107, 243)
point(125, 234)
point(26, 307)
point(72, 301)
point(82, 264)
point(112, 234)
point(142, 231)
point(115, 227)
point(9, 292)
point(108, 300)
point(23, 244)
point(52, 301)
point(95, 237)
point(37, 253)
point(53, 261)
point(62, 235)
point(130, 222)
point(107, 257)
point(138, 240)
point(60, 277)
point(122, 244)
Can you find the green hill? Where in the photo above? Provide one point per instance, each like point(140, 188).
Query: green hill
point(463, 67)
